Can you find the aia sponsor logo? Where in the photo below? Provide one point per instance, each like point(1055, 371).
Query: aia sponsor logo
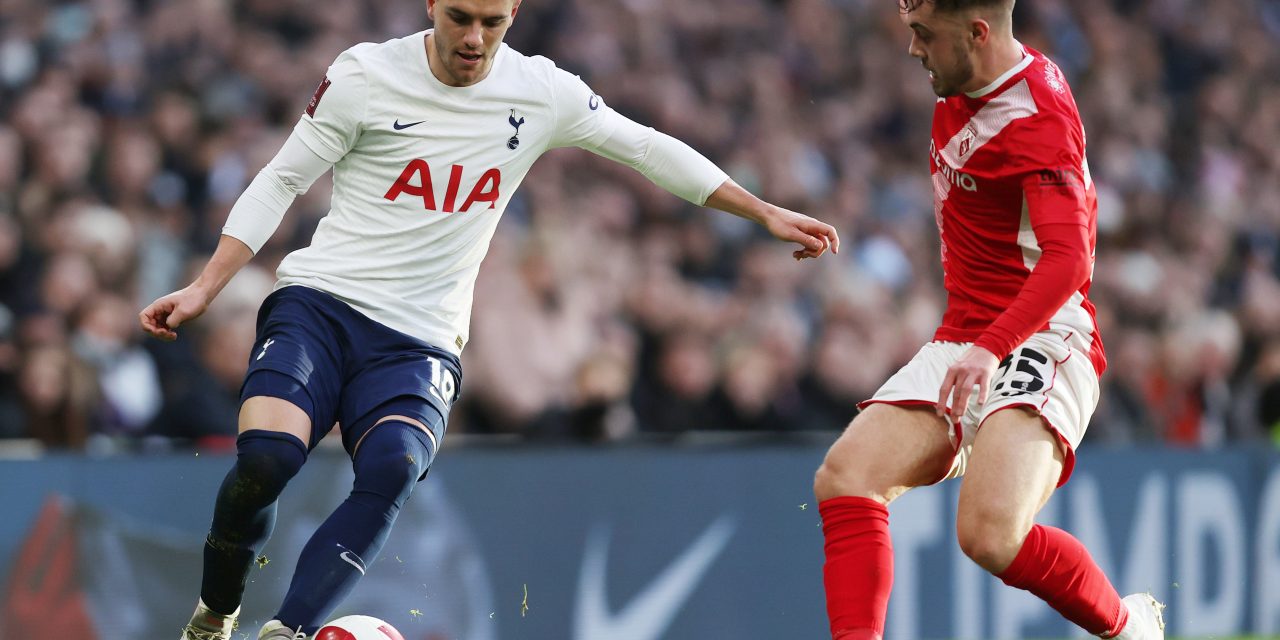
point(415, 181)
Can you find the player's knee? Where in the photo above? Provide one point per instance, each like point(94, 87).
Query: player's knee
point(826, 481)
point(391, 460)
point(837, 477)
point(265, 462)
point(990, 540)
point(846, 471)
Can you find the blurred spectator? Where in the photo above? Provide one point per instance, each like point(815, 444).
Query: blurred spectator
point(128, 385)
point(753, 390)
point(11, 415)
point(606, 307)
point(527, 354)
point(58, 396)
point(847, 369)
point(1267, 379)
point(680, 394)
point(1126, 411)
point(599, 408)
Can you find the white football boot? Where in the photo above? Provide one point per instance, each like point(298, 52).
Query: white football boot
point(1146, 618)
point(275, 630)
point(207, 624)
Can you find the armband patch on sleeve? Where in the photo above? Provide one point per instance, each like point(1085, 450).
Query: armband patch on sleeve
point(315, 98)
point(1060, 177)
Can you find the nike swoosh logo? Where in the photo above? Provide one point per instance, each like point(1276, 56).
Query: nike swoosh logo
point(398, 127)
point(652, 610)
point(351, 559)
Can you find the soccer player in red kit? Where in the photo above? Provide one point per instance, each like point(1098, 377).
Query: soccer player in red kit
point(1017, 213)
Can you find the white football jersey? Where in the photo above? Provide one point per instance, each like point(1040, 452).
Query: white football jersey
point(422, 173)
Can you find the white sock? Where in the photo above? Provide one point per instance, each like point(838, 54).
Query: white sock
point(1127, 633)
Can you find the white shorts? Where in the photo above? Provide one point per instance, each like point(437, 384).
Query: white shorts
point(1047, 374)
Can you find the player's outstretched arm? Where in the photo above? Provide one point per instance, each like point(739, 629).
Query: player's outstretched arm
point(251, 222)
point(678, 168)
point(813, 236)
point(162, 317)
point(585, 121)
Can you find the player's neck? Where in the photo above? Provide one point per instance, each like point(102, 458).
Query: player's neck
point(1003, 54)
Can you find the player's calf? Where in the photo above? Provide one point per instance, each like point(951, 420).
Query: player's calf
point(1016, 465)
point(886, 451)
point(390, 461)
point(245, 513)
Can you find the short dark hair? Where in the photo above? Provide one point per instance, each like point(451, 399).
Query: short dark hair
point(952, 6)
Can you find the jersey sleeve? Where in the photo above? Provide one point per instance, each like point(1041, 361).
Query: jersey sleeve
point(665, 161)
point(258, 211)
point(334, 118)
point(1056, 195)
point(1049, 157)
point(582, 117)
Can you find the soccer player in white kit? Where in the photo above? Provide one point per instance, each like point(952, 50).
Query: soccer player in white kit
point(428, 137)
point(1017, 215)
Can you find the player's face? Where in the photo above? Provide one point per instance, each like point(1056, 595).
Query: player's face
point(943, 44)
point(467, 35)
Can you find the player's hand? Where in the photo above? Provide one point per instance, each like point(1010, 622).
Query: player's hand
point(813, 236)
point(163, 316)
point(975, 367)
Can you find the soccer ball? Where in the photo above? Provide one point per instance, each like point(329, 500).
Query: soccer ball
point(358, 628)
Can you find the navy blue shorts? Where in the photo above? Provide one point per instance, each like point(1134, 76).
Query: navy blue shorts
point(341, 367)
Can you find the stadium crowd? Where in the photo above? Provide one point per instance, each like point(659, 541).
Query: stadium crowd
point(607, 307)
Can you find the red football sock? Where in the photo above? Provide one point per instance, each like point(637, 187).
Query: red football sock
point(858, 574)
point(1054, 566)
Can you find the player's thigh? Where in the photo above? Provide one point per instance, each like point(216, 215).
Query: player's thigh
point(885, 451)
point(418, 387)
point(411, 410)
point(1054, 379)
point(293, 381)
point(397, 415)
point(275, 414)
point(1013, 469)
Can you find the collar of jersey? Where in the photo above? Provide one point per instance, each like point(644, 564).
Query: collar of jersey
point(1026, 60)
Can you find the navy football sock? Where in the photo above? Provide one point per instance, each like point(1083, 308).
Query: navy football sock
point(245, 512)
point(388, 464)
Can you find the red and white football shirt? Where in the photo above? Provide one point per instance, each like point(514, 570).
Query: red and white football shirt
point(1017, 212)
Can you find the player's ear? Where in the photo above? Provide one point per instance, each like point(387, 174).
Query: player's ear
point(979, 31)
point(431, 10)
point(515, 8)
